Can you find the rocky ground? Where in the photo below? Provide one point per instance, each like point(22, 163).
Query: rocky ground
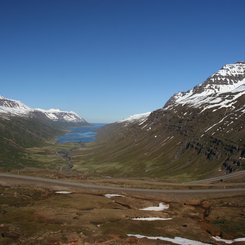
point(35, 215)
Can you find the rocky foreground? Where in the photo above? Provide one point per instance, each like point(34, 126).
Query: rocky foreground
point(56, 216)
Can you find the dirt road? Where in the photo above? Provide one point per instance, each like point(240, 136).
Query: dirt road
point(40, 181)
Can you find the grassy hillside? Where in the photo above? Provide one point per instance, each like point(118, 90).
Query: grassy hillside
point(19, 133)
point(169, 145)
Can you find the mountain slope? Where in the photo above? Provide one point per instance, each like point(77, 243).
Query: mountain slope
point(197, 133)
point(19, 133)
point(22, 127)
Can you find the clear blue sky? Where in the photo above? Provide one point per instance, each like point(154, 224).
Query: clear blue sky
point(107, 59)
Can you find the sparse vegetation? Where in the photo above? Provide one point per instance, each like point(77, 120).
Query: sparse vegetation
point(39, 216)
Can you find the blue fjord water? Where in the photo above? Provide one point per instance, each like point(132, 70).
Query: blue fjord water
point(83, 134)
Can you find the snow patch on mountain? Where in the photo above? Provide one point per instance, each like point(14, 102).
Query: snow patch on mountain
point(9, 107)
point(13, 107)
point(209, 94)
point(232, 69)
point(221, 90)
point(139, 118)
point(56, 114)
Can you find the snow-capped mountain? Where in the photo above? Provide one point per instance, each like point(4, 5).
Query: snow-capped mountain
point(13, 107)
point(221, 97)
point(221, 90)
point(9, 108)
point(57, 115)
point(196, 133)
point(224, 90)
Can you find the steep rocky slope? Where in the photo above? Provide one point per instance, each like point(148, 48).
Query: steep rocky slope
point(197, 133)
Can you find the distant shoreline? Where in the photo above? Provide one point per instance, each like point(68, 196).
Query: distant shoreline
point(83, 134)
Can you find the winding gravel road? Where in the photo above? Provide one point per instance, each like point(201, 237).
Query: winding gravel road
point(40, 181)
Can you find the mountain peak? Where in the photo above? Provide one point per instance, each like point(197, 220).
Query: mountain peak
point(14, 107)
point(235, 69)
point(220, 89)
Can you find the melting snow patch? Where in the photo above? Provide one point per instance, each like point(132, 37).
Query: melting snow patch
point(144, 126)
point(113, 195)
point(160, 207)
point(215, 124)
point(176, 240)
point(151, 218)
point(63, 192)
point(219, 239)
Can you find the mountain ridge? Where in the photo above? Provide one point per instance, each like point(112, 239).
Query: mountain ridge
point(226, 80)
point(11, 108)
point(197, 133)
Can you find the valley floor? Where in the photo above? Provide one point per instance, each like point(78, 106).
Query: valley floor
point(63, 200)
